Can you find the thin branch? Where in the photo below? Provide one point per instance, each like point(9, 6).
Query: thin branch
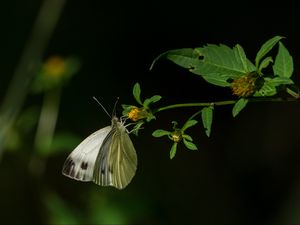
point(219, 103)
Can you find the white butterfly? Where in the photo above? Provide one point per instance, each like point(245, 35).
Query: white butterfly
point(107, 157)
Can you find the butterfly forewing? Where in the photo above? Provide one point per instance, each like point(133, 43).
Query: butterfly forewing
point(102, 170)
point(80, 163)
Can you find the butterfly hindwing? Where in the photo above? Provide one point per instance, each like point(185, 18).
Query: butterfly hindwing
point(125, 163)
point(80, 163)
point(117, 160)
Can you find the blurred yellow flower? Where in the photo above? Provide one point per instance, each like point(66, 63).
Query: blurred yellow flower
point(55, 66)
point(54, 72)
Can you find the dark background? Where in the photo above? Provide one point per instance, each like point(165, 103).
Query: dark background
point(246, 173)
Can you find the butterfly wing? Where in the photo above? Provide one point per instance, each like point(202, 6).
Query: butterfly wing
point(117, 160)
point(125, 164)
point(80, 163)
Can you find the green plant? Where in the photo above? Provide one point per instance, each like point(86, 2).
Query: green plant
point(224, 67)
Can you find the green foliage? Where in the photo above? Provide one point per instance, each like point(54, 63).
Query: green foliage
point(137, 93)
point(219, 64)
point(216, 64)
point(283, 66)
point(142, 114)
point(188, 124)
point(189, 145)
point(153, 99)
point(207, 118)
point(173, 150)
point(238, 106)
point(264, 64)
point(225, 67)
point(160, 133)
point(177, 135)
point(265, 49)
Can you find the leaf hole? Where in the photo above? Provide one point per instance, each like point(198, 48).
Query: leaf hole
point(200, 57)
point(191, 67)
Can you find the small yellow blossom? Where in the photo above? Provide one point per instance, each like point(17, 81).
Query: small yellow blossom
point(176, 136)
point(55, 66)
point(244, 86)
point(136, 114)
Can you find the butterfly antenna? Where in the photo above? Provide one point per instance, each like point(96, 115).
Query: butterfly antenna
point(102, 106)
point(115, 106)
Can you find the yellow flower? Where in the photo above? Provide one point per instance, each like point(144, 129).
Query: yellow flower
point(136, 114)
point(55, 66)
point(176, 136)
point(244, 86)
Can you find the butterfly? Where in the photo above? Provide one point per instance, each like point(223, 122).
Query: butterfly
point(107, 157)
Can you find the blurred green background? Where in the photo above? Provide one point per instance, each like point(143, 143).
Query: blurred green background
point(57, 55)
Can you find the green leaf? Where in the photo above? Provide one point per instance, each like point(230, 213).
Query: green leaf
point(137, 93)
point(268, 88)
point(187, 137)
point(188, 124)
point(266, 61)
point(247, 65)
point(137, 127)
point(153, 99)
point(175, 123)
point(280, 80)
point(218, 63)
point(124, 106)
point(173, 150)
point(126, 109)
point(215, 79)
point(238, 106)
point(270, 84)
point(207, 118)
point(150, 117)
point(183, 57)
point(283, 65)
point(293, 91)
point(160, 133)
point(265, 48)
point(190, 145)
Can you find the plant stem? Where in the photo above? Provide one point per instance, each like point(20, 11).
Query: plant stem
point(219, 103)
point(47, 121)
point(196, 104)
point(45, 131)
